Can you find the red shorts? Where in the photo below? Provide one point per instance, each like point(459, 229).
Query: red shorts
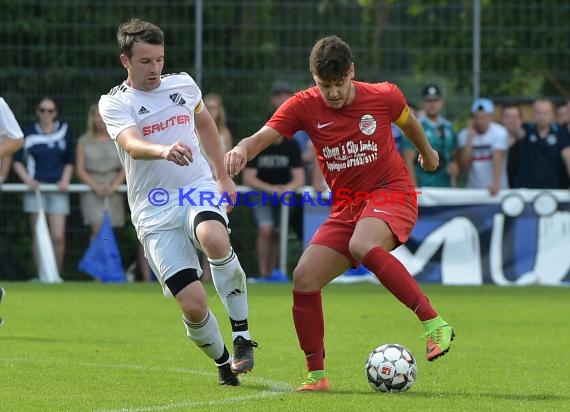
point(397, 208)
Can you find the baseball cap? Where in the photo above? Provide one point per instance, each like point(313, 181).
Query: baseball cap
point(484, 105)
point(281, 86)
point(431, 92)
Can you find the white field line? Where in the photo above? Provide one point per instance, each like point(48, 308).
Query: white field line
point(275, 388)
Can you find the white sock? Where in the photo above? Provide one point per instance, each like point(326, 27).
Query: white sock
point(206, 335)
point(245, 334)
point(229, 280)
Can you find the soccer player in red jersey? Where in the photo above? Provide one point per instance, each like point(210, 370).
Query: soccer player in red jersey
point(349, 124)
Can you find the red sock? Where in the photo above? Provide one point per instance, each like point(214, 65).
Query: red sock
point(310, 327)
point(396, 278)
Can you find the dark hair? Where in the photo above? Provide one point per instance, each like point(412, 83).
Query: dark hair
point(137, 30)
point(44, 98)
point(511, 105)
point(330, 58)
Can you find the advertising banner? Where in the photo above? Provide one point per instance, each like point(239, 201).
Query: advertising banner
point(467, 237)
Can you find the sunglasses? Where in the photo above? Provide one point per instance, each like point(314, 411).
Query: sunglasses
point(44, 110)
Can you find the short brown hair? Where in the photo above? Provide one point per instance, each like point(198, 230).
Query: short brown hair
point(512, 105)
point(137, 30)
point(330, 58)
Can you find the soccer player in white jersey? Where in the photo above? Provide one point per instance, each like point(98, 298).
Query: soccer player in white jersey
point(11, 139)
point(175, 203)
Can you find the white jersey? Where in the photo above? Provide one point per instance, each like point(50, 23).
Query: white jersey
point(481, 173)
point(163, 115)
point(9, 127)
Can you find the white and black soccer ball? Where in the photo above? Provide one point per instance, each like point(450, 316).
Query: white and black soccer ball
point(391, 368)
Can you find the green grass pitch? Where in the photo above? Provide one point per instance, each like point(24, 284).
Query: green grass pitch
point(95, 347)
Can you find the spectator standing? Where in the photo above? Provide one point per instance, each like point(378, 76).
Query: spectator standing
point(483, 147)
point(47, 157)
point(512, 120)
point(98, 165)
point(441, 136)
point(543, 151)
point(278, 169)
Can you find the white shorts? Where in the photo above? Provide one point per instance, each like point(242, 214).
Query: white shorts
point(169, 252)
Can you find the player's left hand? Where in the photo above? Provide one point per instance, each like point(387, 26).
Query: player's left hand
point(429, 162)
point(227, 188)
point(179, 153)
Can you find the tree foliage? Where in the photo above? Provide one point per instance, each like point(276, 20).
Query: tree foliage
point(67, 48)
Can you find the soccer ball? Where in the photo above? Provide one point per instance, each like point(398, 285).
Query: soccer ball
point(391, 368)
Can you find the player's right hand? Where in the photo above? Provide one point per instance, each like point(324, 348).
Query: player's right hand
point(179, 153)
point(429, 161)
point(235, 160)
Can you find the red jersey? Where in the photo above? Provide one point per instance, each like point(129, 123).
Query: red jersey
point(354, 145)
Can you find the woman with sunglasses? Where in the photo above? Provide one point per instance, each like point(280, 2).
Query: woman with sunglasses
point(47, 157)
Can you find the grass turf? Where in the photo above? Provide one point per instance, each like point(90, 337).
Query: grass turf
point(95, 347)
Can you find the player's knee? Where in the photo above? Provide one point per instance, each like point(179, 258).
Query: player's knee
point(302, 279)
point(194, 310)
point(358, 247)
point(188, 291)
point(212, 234)
point(193, 302)
point(215, 244)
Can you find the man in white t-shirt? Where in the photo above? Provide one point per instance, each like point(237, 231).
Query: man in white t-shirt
point(11, 139)
point(176, 205)
point(483, 147)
